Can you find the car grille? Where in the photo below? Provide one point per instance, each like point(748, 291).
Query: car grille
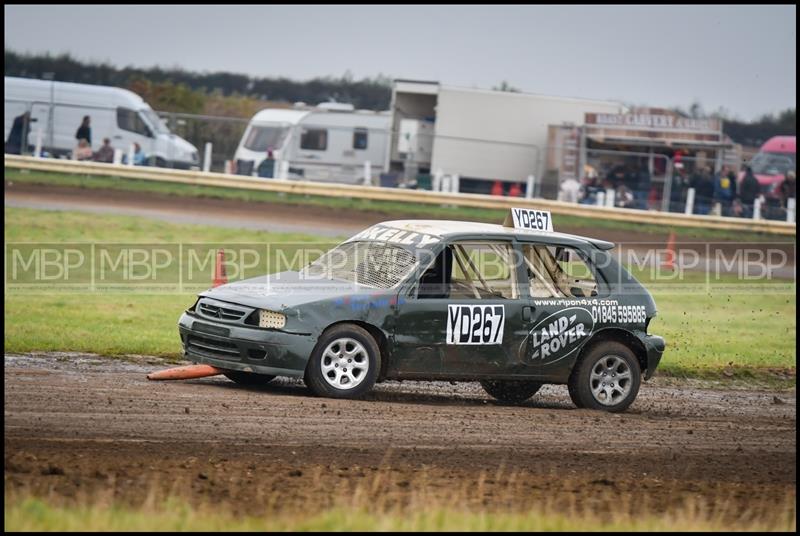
point(212, 347)
point(210, 310)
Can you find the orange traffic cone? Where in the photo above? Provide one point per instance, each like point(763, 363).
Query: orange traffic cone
point(220, 278)
point(185, 373)
point(515, 190)
point(497, 188)
point(669, 261)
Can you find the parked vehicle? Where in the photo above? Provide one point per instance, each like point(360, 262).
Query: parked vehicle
point(116, 113)
point(775, 158)
point(330, 142)
point(511, 307)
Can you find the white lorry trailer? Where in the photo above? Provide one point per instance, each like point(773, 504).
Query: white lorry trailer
point(57, 108)
point(479, 135)
point(331, 143)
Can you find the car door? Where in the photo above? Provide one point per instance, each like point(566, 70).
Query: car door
point(130, 129)
point(463, 317)
point(562, 289)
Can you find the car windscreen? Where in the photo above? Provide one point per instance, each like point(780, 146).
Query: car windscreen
point(371, 264)
point(773, 163)
point(155, 121)
point(262, 138)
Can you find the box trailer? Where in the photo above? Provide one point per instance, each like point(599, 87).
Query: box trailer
point(480, 135)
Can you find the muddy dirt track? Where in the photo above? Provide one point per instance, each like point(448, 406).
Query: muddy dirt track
point(78, 426)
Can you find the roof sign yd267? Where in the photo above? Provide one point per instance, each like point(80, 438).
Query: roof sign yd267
point(531, 219)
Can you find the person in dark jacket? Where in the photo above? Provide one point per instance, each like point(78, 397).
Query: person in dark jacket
point(703, 186)
point(105, 153)
point(19, 130)
point(725, 190)
point(787, 190)
point(748, 192)
point(266, 168)
point(642, 191)
point(84, 131)
point(677, 194)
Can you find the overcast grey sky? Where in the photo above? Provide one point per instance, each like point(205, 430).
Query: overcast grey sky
point(741, 57)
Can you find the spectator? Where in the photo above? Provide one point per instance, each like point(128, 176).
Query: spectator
point(19, 130)
point(631, 178)
point(677, 195)
point(84, 131)
point(748, 192)
point(105, 153)
point(591, 186)
point(642, 187)
point(725, 190)
point(623, 197)
point(616, 176)
point(82, 151)
point(788, 190)
point(703, 186)
point(569, 190)
point(266, 168)
point(139, 158)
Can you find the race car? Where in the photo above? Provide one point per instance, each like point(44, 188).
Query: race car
point(512, 306)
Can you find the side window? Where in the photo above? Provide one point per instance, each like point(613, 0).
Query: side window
point(476, 270)
point(558, 272)
point(315, 139)
point(360, 136)
point(130, 120)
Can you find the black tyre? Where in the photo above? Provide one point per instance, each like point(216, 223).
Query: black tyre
point(248, 378)
point(511, 391)
point(344, 364)
point(607, 378)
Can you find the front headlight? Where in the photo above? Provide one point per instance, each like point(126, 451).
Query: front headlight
point(271, 319)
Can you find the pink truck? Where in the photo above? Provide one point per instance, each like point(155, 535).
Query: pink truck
point(776, 157)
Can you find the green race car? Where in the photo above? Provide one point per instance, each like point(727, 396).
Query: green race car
point(513, 306)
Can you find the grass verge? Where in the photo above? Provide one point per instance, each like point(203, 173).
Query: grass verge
point(714, 333)
point(37, 515)
point(391, 209)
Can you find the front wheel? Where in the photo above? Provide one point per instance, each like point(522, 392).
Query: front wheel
point(511, 391)
point(606, 378)
point(344, 364)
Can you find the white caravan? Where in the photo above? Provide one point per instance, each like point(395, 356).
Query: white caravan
point(330, 142)
point(121, 115)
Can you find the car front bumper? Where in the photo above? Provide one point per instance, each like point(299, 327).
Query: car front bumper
point(236, 347)
point(654, 346)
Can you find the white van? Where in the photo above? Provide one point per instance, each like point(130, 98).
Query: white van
point(330, 142)
point(121, 115)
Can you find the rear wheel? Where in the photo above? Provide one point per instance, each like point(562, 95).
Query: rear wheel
point(606, 378)
point(511, 391)
point(248, 378)
point(344, 364)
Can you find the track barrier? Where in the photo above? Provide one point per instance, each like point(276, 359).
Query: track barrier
point(377, 193)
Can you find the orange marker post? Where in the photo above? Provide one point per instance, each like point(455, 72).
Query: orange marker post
point(669, 262)
point(185, 373)
point(220, 277)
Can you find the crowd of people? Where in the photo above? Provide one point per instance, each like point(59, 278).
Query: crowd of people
point(718, 193)
point(736, 198)
point(18, 140)
point(631, 185)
